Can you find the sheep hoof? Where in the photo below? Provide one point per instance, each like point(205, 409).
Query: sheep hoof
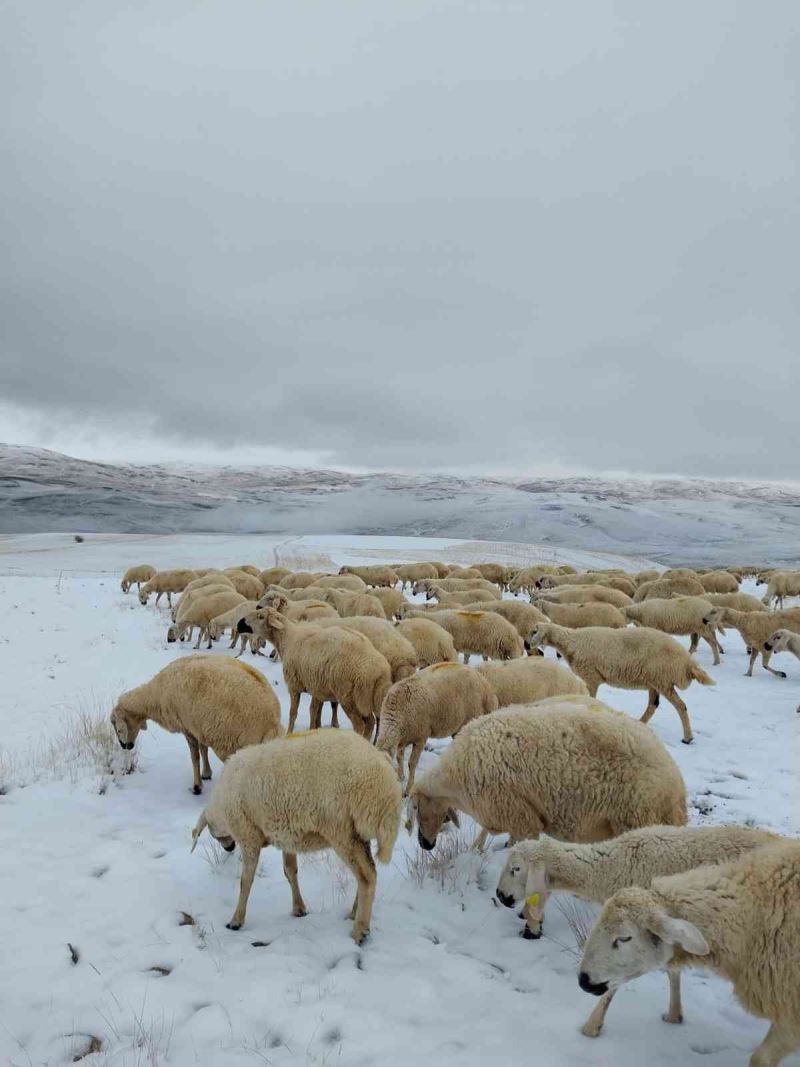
point(590, 1030)
point(359, 936)
point(206, 777)
point(233, 926)
point(781, 674)
point(675, 1019)
point(299, 913)
point(687, 740)
point(197, 790)
point(528, 934)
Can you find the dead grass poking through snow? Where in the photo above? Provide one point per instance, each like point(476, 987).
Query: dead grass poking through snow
point(580, 918)
point(452, 865)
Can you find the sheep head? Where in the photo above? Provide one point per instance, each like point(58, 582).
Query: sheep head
point(127, 723)
point(778, 642)
point(430, 814)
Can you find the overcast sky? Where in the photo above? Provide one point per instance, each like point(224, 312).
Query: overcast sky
point(415, 234)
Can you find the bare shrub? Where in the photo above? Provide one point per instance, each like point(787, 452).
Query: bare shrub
point(452, 865)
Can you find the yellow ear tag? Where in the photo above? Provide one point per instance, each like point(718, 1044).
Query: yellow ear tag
point(532, 900)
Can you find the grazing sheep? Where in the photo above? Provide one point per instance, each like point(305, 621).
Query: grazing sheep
point(299, 611)
point(308, 592)
point(376, 575)
point(351, 583)
point(740, 920)
point(399, 653)
point(524, 580)
point(462, 597)
point(577, 616)
point(718, 582)
point(583, 594)
point(681, 616)
point(437, 702)
point(216, 703)
point(784, 641)
point(408, 573)
point(432, 588)
point(274, 794)
point(349, 604)
point(273, 575)
point(201, 587)
point(228, 620)
point(663, 588)
point(244, 583)
point(136, 576)
point(535, 869)
point(523, 617)
point(629, 659)
point(333, 664)
point(431, 642)
point(566, 768)
point(782, 584)
point(200, 612)
point(392, 600)
point(494, 572)
point(477, 633)
point(739, 601)
point(529, 680)
point(299, 579)
point(168, 582)
point(756, 627)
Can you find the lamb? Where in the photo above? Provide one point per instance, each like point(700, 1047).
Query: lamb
point(577, 616)
point(583, 594)
point(782, 584)
point(399, 653)
point(136, 576)
point(739, 601)
point(579, 773)
point(408, 573)
point(349, 604)
point(216, 703)
point(534, 869)
point(244, 583)
point(740, 919)
point(668, 587)
point(274, 794)
point(437, 702)
point(273, 575)
point(168, 582)
point(718, 582)
point(459, 598)
point(431, 642)
point(351, 583)
point(375, 575)
point(392, 600)
point(680, 616)
point(479, 633)
point(629, 659)
point(200, 612)
point(523, 617)
point(756, 627)
point(527, 681)
point(335, 664)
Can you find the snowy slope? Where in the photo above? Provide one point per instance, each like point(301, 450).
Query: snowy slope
point(103, 864)
point(671, 520)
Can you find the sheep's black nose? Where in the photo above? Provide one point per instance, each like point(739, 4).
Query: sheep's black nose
point(506, 900)
point(597, 989)
point(767, 646)
point(243, 627)
point(424, 842)
point(230, 847)
point(528, 934)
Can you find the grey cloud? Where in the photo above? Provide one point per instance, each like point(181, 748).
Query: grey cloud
point(411, 235)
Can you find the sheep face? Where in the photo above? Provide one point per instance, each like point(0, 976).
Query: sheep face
point(634, 935)
point(778, 642)
point(538, 637)
point(142, 597)
point(172, 634)
point(126, 726)
point(510, 647)
point(715, 619)
point(522, 881)
point(431, 814)
point(546, 581)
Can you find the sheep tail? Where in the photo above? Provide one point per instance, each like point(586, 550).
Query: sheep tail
point(388, 829)
point(202, 823)
point(699, 675)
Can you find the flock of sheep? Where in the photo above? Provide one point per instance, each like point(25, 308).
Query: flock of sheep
point(592, 801)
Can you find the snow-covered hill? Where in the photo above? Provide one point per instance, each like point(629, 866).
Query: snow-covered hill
point(670, 520)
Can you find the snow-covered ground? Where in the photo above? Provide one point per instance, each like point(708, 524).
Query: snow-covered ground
point(101, 863)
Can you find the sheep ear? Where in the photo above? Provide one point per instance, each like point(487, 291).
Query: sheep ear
point(680, 932)
point(201, 825)
point(452, 815)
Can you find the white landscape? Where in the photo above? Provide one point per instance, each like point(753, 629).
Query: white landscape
point(114, 940)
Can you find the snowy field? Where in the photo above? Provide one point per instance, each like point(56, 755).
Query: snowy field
point(114, 939)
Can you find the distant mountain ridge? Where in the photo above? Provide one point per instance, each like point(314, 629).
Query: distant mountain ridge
point(669, 519)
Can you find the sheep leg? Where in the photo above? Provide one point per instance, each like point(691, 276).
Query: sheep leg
point(294, 704)
point(753, 653)
point(249, 864)
point(680, 707)
point(711, 641)
point(158, 597)
point(315, 714)
point(652, 704)
point(479, 844)
point(466, 657)
point(413, 760)
point(194, 752)
point(778, 1044)
point(206, 771)
point(674, 1013)
point(400, 755)
point(169, 599)
point(358, 858)
point(290, 870)
point(335, 714)
point(765, 658)
point(594, 1024)
point(695, 641)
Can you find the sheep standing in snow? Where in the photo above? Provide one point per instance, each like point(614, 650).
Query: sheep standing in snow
point(391, 600)
point(408, 573)
point(375, 575)
point(578, 616)
point(399, 653)
point(462, 597)
point(350, 583)
point(165, 582)
point(663, 588)
point(432, 588)
point(216, 703)
point(137, 576)
point(737, 601)
point(275, 794)
point(436, 702)
point(582, 594)
point(718, 582)
point(783, 641)
point(756, 628)
point(579, 773)
point(349, 604)
point(523, 617)
point(477, 633)
point(529, 680)
point(431, 642)
point(681, 616)
point(535, 869)
point(740, 919)
point(200, 612)
point(273, 575)
point(628, 659)
point(782, 584)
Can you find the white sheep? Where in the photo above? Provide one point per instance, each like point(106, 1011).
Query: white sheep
point(668, 587)
point(228, 620)
point(215, 702)
point(349, 604)
point(246, 584)
point(399, 653)
point(431, 642)
point(273, 575)
point(583, 594)
point(436, 702)
point(351, 583)
point(756, 627)
point(374, 575)
point(522, 616)
point(782, 584)
point(432, 588)
point(479, 633)
point(299, 579)
point(529, 680)
point(275, 794)
point(740, 919)
point(737, 601)
point(199, 588)
point(629, 659)
point(166, 582)
point(579, 773)
point(460, 598)
point(408, 573)
point(783, 641)
point(680, 616)
point(136, 576)
point(718, 582)
point(200, 612)
point(392, 600)
point(578, 616)
point(535, 869)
